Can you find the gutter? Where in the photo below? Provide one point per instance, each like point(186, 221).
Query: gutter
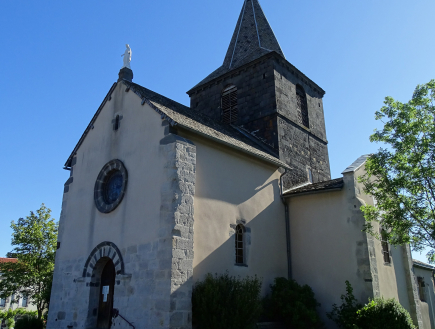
point(287, 227)
point(313, 192)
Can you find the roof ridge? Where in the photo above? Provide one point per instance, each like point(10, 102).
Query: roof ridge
point(252, 34)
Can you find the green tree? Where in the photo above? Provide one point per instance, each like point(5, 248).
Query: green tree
point(401, 175)
point(35, 239)
point(383, 314)
point(224, 301)
point(345, 315)
point(292, 304)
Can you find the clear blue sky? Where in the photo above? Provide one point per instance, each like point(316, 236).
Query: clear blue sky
point(59, 59)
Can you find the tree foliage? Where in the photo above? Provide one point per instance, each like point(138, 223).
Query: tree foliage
point(29, 322)
point(383, 314)
point(401, 175)
point(293, 305)
point(9, 316)
point(345, 314)
point(34, 238)
point(224, 301)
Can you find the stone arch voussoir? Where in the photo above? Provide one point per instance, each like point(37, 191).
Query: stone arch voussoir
point(104, 249)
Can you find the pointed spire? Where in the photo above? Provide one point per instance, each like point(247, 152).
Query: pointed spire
point(252, 38)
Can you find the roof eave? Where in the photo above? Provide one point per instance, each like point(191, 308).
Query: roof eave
point(425, 266)
point(242, 67)
point(271, 161)
point(335, 189)
point(67, 165)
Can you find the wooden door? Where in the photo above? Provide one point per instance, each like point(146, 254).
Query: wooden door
point(107, 285)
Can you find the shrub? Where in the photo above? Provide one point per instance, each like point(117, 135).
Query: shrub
point(222, 301)
point(10, 323)
point(29, 322)
point(384, 314)
point(293, 305)
point(345, 315)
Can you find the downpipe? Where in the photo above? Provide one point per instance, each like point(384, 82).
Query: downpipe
point(287, 225)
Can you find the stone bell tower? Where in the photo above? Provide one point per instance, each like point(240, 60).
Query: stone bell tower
point(258, 90)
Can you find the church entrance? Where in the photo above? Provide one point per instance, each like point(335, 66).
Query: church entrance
point(107, 285)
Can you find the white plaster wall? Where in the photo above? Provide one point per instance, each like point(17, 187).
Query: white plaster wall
point(428, 307)
point(326, 244)
point(136, 144)
point(14, 306)
point(329, 247)
point(232, 186)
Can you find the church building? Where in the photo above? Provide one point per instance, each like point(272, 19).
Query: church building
point(161, 194)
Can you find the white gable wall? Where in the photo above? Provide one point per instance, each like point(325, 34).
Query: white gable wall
point(136, 144)
point(141, 226)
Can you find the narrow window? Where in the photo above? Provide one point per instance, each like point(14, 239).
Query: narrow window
point(385, 248)
point(116, 123)
point(24, 302)
point(2, 302)
point(302, 107)
point(310, 175)
point(421, 287)
point(240, 244)
point(229, 105)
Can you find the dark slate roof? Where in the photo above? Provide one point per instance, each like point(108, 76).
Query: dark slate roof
point(356, 164)
point(334, 184)
point(182, 116)
point(421, 264)
point(253, 38)
point(185, 117)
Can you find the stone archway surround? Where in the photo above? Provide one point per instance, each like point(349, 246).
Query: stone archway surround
point(104, 249)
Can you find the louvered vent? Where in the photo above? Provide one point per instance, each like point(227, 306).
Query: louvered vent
point(229, 105)
point(301, 100)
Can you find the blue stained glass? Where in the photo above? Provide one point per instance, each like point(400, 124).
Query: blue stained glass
point(113, 187)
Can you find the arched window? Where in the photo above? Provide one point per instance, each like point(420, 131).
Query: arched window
point(301, 100)
point(240, 244)
point(229, 104)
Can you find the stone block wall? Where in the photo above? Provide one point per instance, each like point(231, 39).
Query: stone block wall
point(286, 80)
point(302, 151)
point(153, 282)
point(255, 93)
point(267, 108)
point(303, 148)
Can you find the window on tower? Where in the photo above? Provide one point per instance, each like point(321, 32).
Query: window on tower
point(302, 107)
point(229, 104)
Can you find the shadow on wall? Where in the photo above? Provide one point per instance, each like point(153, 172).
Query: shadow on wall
point(264, 241)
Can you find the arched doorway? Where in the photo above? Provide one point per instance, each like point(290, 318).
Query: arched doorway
point(107, 286)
